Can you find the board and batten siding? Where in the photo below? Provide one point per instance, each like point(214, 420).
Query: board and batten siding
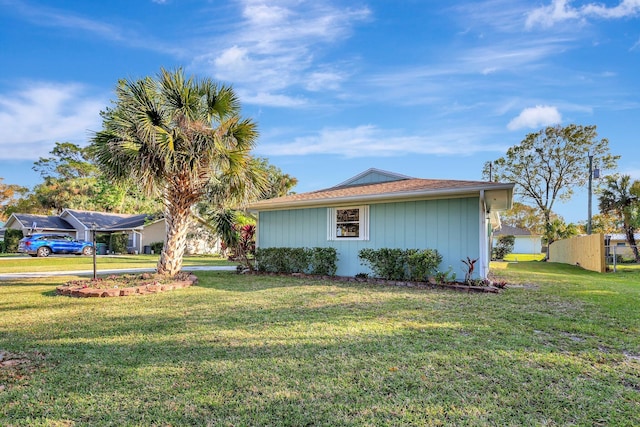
point(449, 225)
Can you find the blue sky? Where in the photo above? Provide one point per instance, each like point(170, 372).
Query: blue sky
point(430, 89)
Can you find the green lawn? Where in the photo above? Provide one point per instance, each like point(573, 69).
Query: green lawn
point(562, 348)
point(26, 263)
point(524, 257)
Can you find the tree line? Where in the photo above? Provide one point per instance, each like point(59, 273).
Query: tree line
point(548, 165)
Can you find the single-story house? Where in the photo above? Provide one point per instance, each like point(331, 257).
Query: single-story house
point(142, 229)
point(378, 209)
point(525, 242)
point(616, 243)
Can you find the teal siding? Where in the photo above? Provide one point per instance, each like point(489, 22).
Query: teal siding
point(451, 226)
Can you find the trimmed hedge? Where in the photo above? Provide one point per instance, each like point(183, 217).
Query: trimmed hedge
point(318, 261)
point(401, 264)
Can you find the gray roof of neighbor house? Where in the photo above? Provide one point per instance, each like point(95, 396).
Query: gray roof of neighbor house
point(43, 221)
point(108, 221)
point(401, 188)
point(507, 230)
point(622, 236)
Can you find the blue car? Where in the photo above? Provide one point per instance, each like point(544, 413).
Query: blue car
point(43, 245)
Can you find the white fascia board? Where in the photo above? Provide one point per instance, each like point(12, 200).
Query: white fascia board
point(66, 211)
point(374, 198)
point(121, 229)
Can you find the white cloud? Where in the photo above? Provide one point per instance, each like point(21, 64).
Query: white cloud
point(624, 9)
point(540, 115)
point(324, 80)
point(372, 141)
point(561, 10)
point(271, 100)
point(277, 46)
point(34, 118)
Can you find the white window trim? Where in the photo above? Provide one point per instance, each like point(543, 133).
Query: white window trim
point(332, 223)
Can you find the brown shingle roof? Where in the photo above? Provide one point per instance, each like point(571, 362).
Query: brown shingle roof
point(408, 188)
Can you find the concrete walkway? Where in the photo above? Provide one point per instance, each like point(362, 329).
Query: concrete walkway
point(101, 272)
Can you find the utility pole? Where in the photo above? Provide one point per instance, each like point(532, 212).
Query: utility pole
point(590, 192)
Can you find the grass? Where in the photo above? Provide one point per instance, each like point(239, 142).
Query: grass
point(562, 348)
point(72, 262)
point(524, 257)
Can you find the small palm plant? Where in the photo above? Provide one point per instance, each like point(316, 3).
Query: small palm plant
point(470, 267)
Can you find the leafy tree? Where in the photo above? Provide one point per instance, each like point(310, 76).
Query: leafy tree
point(67, 161)
point(558, 230)
point(524, 216)
point(8, 193)
point(504, 246)
point(279, 184)
point(604, 223)
point(177, 137)
point(71, 180)
point(547, 165)
point(622, 198)
point(222, 214)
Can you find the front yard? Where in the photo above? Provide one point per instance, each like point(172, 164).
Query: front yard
point(561, 348)
point(24, 263)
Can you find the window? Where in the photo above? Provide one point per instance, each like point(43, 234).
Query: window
point(348, 223)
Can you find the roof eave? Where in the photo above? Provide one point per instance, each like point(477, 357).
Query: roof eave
point(267, 205)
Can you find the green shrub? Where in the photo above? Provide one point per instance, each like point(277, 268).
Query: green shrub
point(273, 260)
point(118, 243)
point(103, 238)
point(504, 246)
point(390, 264)
point(321, 261)
point(423, 264)
point(156, 247)
point(401, 264)
point(11, 239)
point(324, 261)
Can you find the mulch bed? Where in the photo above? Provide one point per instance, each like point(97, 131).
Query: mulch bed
point(125, 285)
point(494, 287)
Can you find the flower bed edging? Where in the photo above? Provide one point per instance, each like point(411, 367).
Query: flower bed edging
point(150, 288)
point(456, 286)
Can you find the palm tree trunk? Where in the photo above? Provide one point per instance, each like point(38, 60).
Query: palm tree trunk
point(630, 231)
point(177, 219)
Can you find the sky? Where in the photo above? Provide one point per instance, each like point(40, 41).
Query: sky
point(424, 88)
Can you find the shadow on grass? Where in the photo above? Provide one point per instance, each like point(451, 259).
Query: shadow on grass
point(257, 350)
point(230, 368)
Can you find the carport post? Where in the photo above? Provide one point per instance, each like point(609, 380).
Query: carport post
point(93, 240)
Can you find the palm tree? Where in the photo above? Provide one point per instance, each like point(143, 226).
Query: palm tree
point(620, 198)
point(177, 137)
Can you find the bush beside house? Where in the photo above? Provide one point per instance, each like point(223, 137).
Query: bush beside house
point(11, 240)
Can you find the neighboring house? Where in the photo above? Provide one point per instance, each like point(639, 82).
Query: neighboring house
point(378, 209)
point(1, 231)
point(617, 244)
point(142, 229)
point(525, 241)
